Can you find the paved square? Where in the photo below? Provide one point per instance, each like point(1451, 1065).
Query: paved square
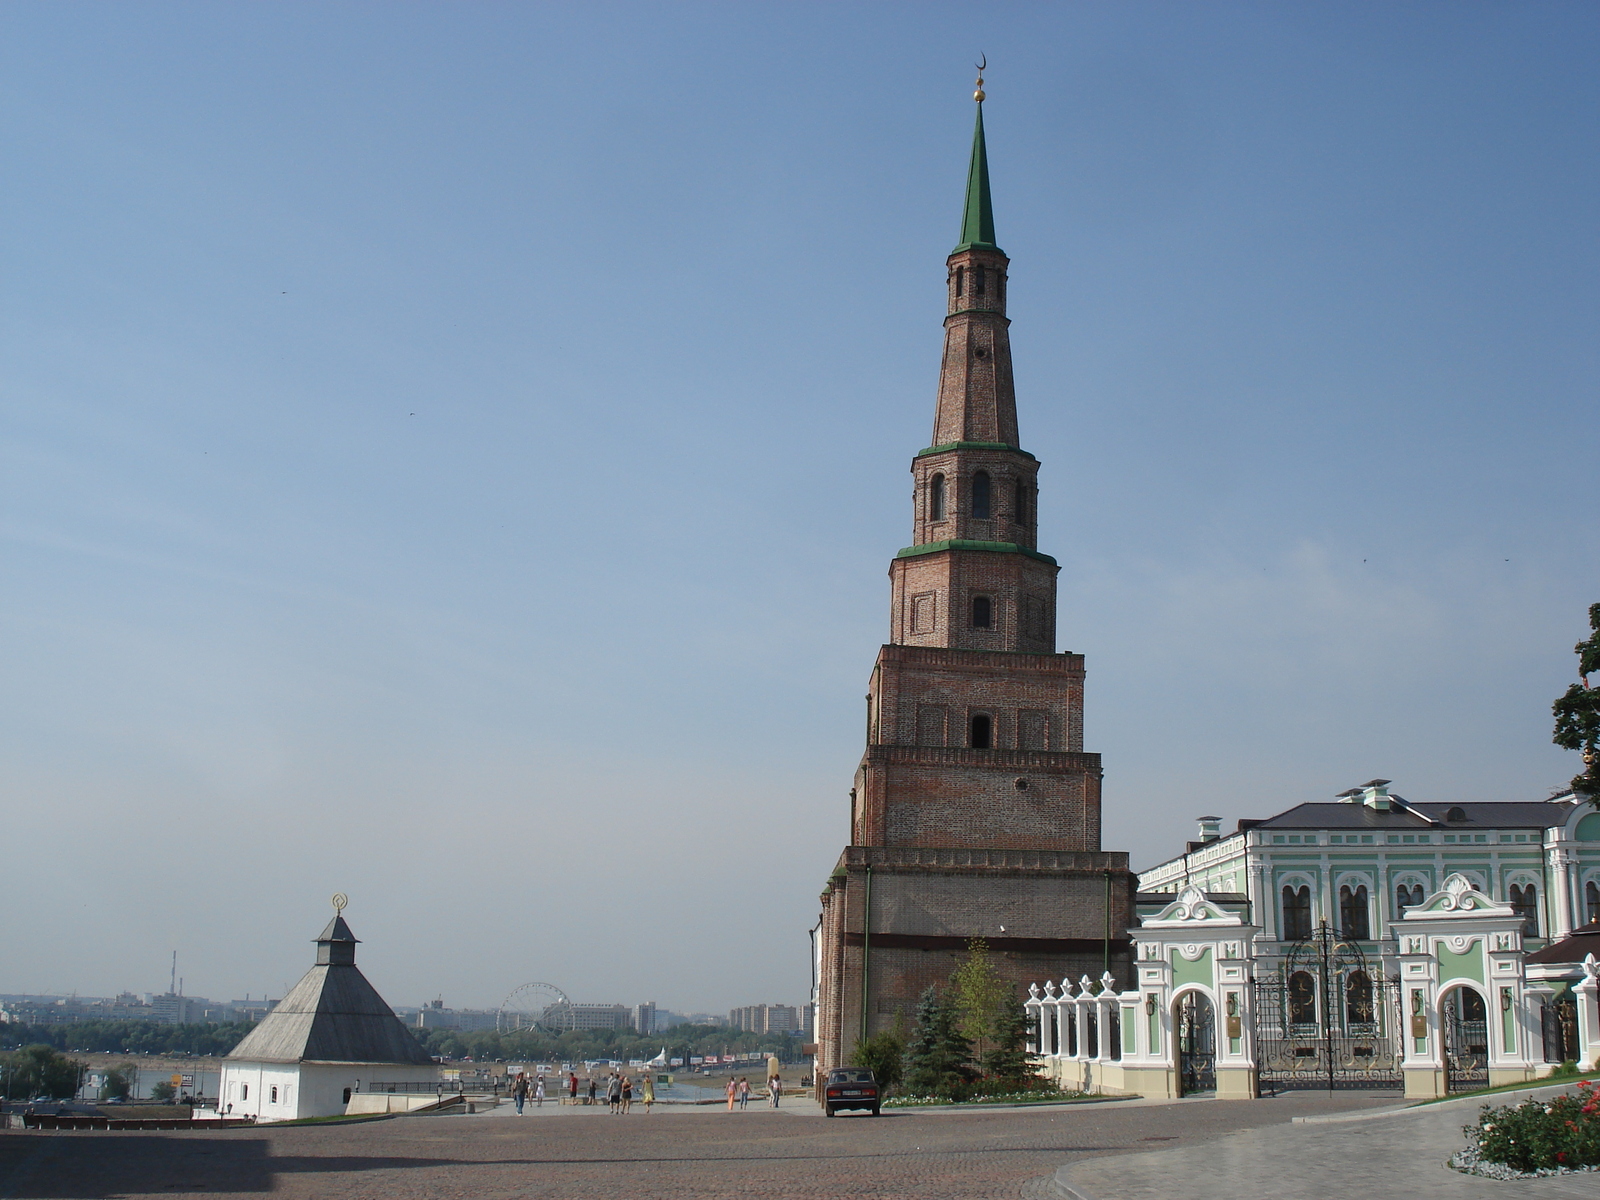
point(575, 1153)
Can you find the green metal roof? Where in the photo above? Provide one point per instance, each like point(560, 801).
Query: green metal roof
point(977, 220)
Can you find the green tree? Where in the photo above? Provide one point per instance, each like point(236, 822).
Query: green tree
point(980, 995)
point(1007, 1060)
point(937, 1055)
point(40, 1071)
point(119, 1082)
point(884, 1055)
point(163, 1092)
point(1577, 714)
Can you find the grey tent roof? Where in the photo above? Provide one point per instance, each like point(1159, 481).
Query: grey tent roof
point(332, 1015)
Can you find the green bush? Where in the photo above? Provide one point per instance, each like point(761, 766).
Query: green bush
point(1542, 1134)
point(884, 1055)
point(163, 1092)
point(39, 1071)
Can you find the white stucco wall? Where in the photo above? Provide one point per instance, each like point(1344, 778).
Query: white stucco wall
point(305, 1089)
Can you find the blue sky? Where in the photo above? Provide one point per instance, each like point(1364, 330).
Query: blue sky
point(451, 453)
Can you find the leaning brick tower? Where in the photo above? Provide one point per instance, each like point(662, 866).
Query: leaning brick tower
point(975, 811)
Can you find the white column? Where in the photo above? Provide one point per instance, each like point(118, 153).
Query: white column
point(1588, 997)
point(1036, 1015)
point(1560, 908)
point(1108, 1005)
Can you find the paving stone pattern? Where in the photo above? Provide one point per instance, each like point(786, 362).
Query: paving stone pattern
point(577, 1153)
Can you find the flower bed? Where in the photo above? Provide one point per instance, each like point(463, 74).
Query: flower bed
point(1536, 1137)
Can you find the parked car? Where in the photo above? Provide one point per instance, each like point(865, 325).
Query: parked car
point(850, 1088)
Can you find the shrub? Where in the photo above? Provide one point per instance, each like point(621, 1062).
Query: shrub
point(1542, 1134)
point(884, 1055)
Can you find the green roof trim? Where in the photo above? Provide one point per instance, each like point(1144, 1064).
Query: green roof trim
point(977, 219)
point(963, 544)
point(948, 446)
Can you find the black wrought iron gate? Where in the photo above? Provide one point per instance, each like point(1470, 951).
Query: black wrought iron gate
point(1326, 1019)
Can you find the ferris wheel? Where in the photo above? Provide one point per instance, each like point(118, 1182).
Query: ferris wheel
point(534, 1006)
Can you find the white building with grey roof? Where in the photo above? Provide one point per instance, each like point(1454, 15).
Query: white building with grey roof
point(329, 1039)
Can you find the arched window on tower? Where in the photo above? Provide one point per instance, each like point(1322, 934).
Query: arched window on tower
point(961, 281)
point(982, 731)
point(1296, 913)
point(977, 281)
point(1353, 913)
point(1525, 903)
point(982, 612)
point(1591, 900)
point(982, 502)
point(936, 498)
point(1019, 503)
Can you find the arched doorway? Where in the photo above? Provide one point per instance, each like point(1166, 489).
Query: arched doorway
point(1465, 1020)
point(1196, 1027)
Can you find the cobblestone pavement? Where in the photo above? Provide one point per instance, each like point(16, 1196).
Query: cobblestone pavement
point(1399, 1154)
point(706, 1154)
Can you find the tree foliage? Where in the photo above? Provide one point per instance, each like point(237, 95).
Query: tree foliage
point(938, 1054)
point(163, 1092)
point(1007, 1059)
point(39, 1071)
point(1577, 714)
point(119, 1082)
point(980, 996)
point(128, 1037)
point(884, 1055)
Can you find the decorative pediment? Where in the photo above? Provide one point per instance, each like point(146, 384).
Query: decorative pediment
point(1458, 898)
point(1190, 907)
point(1591, 969)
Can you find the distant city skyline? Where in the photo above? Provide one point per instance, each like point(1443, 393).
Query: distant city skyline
point(451, 452)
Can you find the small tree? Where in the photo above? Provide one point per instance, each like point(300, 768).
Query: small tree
point(936, 1057)
point(980, 995)
point(119, 1082)
point(163, 1092)
point(883, 1054)
point(1007, 1061)
point(1577, 714)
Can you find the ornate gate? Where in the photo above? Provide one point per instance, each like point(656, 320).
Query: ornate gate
point(1466, 1040)
point(1559, 1019)
point(1197, 1044)
point(1326, 1019)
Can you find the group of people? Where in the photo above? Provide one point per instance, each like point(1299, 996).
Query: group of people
point(619, 1090)
point(522, 1087)
point(739, 1091)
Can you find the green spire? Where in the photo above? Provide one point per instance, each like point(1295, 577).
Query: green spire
point(977, 220)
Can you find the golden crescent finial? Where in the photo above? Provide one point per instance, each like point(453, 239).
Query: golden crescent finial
point(982, 64)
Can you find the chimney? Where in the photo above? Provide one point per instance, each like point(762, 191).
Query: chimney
point(1210, 828)
point(1375, 794)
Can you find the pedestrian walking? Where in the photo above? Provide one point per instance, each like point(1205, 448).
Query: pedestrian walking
point(649, 1085)
point(733, 1091)
point(614, 1093)
point(744, 1093)
point(774, 1090)
point(538, 1093)
point(572, 1086)
point(627, 1094)
point(591, 1089)
point(519, 1091)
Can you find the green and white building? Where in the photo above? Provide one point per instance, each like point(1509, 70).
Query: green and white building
point(1361, 860)
point(1366, 942)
